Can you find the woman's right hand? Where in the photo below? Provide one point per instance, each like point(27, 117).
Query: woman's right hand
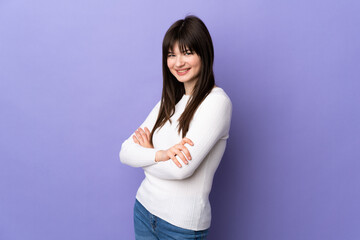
point(178, 149)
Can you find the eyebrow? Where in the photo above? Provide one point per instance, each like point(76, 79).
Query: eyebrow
point(185, 50)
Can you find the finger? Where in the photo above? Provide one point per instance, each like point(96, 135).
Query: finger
point(186, 140)
point(139, 137)
point(181, 155)
point(147, 131)
point(173, 158)
point(135, 139)
point(143, 134)
point(185, 151)
point(176, 161)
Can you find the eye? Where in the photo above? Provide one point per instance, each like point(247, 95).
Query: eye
point(187, 52)
point(171, 55)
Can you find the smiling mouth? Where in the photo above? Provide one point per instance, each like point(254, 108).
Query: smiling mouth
point(183, 71)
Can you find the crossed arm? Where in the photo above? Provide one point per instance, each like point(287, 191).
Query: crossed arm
point(136, 155)
point(137, 151)
point(210, 123)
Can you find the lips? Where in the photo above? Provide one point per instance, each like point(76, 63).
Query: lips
point(182, 72)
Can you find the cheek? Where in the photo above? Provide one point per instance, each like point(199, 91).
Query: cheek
point(170, 63)
point(197, 65)
point(196, 62)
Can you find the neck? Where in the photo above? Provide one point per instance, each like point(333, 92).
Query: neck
point(189, 86)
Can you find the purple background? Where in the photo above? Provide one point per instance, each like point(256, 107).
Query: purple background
point(78, 77)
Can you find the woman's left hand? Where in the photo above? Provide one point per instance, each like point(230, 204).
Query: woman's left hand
point(142, 137)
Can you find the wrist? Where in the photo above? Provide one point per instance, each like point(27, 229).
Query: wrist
point(157, 156)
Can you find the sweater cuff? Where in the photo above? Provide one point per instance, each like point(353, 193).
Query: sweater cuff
point(137, 156)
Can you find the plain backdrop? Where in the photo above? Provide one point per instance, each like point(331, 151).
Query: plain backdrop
point(78, 77)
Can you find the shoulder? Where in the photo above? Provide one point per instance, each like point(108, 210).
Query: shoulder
point(217, 102)
point(217, 98)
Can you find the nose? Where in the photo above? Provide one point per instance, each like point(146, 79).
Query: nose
point(179, 61)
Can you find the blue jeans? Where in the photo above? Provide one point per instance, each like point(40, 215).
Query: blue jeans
point(151, 227)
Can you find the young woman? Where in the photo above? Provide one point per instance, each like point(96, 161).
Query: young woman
point(182, 141)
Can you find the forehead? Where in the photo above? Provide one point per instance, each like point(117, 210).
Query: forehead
point(176, 48)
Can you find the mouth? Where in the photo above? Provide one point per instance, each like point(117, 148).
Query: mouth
point(182, 72)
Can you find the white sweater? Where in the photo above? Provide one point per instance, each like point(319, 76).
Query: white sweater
point(181, 195)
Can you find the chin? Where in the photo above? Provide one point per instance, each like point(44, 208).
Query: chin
point(183, 80)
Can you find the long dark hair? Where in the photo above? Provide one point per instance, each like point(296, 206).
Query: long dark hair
point(190, 33)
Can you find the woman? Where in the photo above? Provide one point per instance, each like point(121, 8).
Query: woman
point(181, 142)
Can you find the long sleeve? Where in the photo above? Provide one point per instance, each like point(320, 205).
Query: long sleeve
point(211, 122)
point(135, 155)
